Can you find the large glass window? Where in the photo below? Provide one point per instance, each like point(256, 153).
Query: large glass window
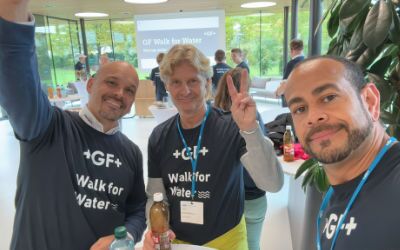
point(98, 38)
point(63, 52)
point(43, 52)
point(303, 27)
point(123, 34)
point(260, 36)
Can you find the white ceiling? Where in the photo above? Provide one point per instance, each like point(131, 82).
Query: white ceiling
point(120, 9)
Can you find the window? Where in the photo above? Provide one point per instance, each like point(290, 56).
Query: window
point(260, 37)
point(61, 43)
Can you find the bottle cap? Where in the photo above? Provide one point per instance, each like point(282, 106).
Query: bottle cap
point(120, 232)
point(289, 127)
point(158, 197)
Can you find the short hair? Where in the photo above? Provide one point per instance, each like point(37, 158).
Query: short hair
point(296, 44)
point(236, 50)
point(184, 53)
point(222, 98)
point(219, 55)
point(159, 58)
point(352, 71)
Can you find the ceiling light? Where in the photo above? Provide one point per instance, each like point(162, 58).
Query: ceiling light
point(257, 4)
point(91, 14)
point(145, 1)
point(262, 14)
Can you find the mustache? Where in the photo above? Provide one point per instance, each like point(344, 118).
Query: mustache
point(323, 127)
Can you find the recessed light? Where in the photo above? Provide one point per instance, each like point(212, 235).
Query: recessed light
point(262, 14)
point(258, 4)
point(91, 14)
point(145, 1)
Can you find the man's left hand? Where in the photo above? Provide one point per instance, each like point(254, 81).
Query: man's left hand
point(103, 243)
point(243, 107)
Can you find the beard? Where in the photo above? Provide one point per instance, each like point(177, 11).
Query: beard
point(113, 114)
point(354, 139)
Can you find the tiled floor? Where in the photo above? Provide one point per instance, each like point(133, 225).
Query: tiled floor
point(275, 236)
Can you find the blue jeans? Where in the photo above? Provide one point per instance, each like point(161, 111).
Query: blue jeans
point(254, 212)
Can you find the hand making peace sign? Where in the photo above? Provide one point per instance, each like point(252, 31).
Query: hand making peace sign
point(243, 107)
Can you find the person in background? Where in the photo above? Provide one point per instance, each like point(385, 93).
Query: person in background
point(238, 57)
point(79, 176)
point(158, 83)
point(255, 204)
point(103, 60)
point(296, 55)
point(219, 69)
point(80, 68)
point(195, 158)
point(336, 116)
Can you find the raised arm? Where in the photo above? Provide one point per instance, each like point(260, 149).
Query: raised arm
point(28, 108)
point(260, 160)
point(14, 10)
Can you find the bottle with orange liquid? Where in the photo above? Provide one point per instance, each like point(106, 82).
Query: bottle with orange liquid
point(288, 144)
point(159, 222)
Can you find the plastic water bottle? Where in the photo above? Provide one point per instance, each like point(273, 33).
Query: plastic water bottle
point(159, 221)
point(122, 240)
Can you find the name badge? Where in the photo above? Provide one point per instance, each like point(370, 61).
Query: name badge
point(192, 212)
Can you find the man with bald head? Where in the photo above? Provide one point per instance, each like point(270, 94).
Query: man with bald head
point(336, 116)
point(79, 176)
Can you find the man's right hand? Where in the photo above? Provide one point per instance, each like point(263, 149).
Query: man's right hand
point(148, 242)
point(14, 10)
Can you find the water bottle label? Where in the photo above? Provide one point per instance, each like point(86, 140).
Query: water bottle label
point(162, 241)
point(288, 149)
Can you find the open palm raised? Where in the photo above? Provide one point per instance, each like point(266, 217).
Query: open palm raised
point(243, 107)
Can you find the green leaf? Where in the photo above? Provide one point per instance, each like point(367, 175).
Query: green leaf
point(329, 10)
point(305, 166)
point(333, 22)
point(307, 180)
point(366, 58)
point(321, 180)
point(349, 13)
point(381, 66)
point(377, 25)
point(354, 54)
point(357, 37)
point(394, 34)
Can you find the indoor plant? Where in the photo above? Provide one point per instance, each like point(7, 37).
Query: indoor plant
point(367, 33)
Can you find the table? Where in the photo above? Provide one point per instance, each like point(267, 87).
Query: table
point(60, 102)
point(184, 247)
point(298, 205)
point(162, 113)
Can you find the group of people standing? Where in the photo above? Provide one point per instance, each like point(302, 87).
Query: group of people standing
point(80, 177)
point(219, 69)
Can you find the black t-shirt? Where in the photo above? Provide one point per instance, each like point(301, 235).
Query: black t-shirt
point(79, 66)
point(160, 87)
point(243, 65)
point(75, 185)
point(219, 70)
point(220, 174)
point(373, 220)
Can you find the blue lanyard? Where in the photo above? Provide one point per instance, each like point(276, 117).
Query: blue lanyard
point(353, 197)
point(193, 160)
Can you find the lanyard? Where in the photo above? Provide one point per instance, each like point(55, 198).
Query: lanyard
point(193, 160)
point(353, 197)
